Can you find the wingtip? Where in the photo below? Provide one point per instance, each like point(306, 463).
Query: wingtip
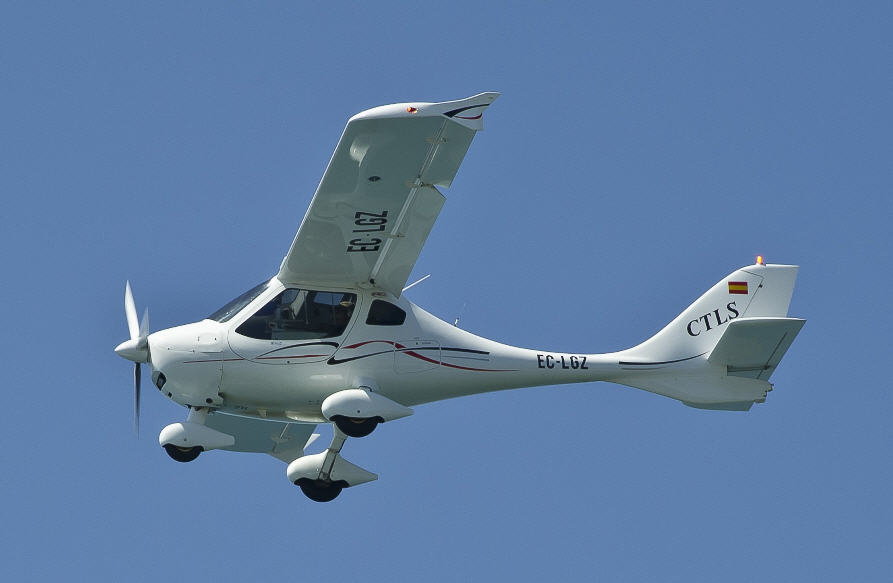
point(428, 109)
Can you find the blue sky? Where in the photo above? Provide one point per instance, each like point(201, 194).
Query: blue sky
point(639, 153)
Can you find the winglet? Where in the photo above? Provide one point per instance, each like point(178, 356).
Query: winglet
point(467, 112)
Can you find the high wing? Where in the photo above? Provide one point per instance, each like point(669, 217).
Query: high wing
point(284, 441)
point(377, 201)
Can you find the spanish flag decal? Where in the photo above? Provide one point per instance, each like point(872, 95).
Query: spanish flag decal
point(738, 287)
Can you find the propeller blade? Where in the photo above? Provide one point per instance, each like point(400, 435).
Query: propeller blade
point(137, 378)
point(144, 324)
point(130, 311)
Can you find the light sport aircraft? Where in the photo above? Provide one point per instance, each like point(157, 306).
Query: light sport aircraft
point(332, 339)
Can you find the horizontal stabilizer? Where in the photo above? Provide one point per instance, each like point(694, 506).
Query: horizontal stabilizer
point(703, 389)
point(753, 347)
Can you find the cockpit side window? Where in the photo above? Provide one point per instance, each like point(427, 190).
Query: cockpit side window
point(299, 314)
point(236, 305)
point(383, 313)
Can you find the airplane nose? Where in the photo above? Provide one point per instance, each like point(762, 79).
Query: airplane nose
point(176, 371)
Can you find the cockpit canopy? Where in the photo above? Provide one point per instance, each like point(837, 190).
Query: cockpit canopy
point(300, 314)
point(235, 306)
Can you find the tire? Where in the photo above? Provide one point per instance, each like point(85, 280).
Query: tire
point(183, 454)
point(320, 491)
point(356, 426)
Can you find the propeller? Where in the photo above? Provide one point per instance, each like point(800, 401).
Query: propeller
point(136, 349)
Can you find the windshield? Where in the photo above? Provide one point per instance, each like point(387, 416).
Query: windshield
point(236, 305)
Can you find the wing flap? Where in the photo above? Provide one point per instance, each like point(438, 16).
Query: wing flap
point(400, 250)
point(753, 347)
point(376, 203)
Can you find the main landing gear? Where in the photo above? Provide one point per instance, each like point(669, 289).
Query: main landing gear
point(324, 488)
point(183, 454)
point(322, 476)
point(355, 426)
point(185, 441)
point(319, 490)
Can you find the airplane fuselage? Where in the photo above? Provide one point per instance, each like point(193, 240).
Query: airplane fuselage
point(420, 360)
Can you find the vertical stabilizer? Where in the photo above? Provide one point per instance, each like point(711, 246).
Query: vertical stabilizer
point(753, 291)
point(743, 319)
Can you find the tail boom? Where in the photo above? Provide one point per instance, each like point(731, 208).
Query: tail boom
point(717, 354)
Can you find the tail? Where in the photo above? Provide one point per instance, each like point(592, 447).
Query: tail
point(720, 352)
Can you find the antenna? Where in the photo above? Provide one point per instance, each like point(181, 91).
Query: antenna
point(456, 321)
point(418, 281)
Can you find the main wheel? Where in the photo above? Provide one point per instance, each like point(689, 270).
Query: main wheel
point(320, 491)
point(183, 454)
point(356, 426)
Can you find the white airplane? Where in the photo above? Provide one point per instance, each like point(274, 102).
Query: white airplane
point(332, 339)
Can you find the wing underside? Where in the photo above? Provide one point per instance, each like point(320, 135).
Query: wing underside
point(377, 201)
point(282, 440)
